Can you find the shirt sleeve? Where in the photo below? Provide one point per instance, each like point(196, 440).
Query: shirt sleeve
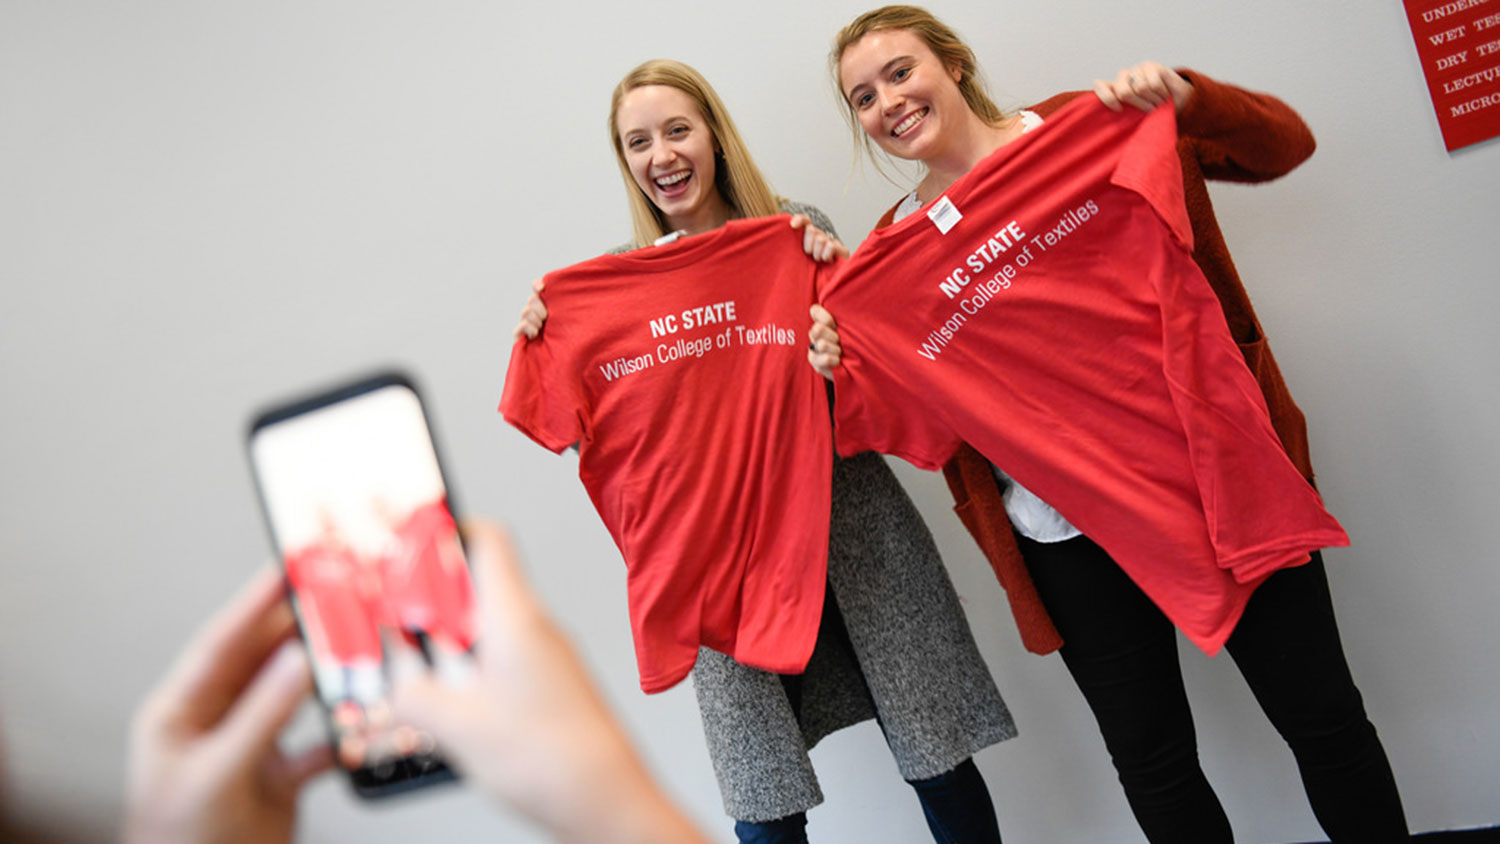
point(872, 410)
point(1149, 166)
point(866, 419)
point(543, 394)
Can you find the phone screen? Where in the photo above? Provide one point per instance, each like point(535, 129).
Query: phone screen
point(359, 512)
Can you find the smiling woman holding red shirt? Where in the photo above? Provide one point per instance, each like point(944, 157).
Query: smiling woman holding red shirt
point(892, 641)
point(911, 86)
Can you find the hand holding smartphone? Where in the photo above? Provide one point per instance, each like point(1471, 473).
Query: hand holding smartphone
point(359, 512)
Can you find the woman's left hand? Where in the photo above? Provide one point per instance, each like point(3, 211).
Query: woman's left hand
point(818, 244)
point(823, 349)
point(1145, 86)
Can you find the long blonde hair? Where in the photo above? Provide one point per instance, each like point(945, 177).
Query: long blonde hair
point(737, 178)
point(950, 50)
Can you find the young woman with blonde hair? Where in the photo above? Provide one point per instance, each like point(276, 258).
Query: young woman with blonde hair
point(912, 90)
point(893, 642)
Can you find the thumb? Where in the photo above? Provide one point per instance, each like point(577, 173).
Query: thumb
point(504, 595)
point(442, 712)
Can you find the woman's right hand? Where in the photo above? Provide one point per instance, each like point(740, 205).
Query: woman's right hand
point(824, 352)
point(533, 315)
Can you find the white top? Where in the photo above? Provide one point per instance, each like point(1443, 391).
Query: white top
point(1032, 517)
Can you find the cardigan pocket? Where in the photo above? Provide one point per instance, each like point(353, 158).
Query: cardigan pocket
point(1254, 352)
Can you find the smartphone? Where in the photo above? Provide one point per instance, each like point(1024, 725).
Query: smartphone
point(361, 518)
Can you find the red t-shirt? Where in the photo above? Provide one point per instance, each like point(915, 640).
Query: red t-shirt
point(1061, 327)
point(336, 609)
point(681, 371)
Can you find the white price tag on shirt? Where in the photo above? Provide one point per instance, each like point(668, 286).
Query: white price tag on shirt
point(944, 214)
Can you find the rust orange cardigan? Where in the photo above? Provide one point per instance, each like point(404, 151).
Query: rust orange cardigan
point(1224, 133)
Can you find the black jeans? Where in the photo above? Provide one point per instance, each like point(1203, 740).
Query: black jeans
point(1122, 653)
point(956, 804)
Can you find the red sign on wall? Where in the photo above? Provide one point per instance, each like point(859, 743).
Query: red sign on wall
point(1458, 42)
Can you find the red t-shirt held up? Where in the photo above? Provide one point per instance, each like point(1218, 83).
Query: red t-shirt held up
point(1046, 310)
point(681, 371)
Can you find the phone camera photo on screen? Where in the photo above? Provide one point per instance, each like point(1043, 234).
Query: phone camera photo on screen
point(354, 496)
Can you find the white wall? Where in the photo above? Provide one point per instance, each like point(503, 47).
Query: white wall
point(205, 205)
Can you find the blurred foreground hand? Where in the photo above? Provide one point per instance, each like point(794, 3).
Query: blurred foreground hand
point(204, 763)
point(528, 725)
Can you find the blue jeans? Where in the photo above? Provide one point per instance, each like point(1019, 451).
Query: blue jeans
point(956, 804)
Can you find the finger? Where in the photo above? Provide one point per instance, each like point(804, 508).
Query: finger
point(1156, 74)
point(810, 241)
point(527, 327)
point(225, 653)
point(403, 662)
point(1106, 93)
point(424, 696)
point(819, 251)
point(839, 249)
point(504, 595)
point(815, 361)
point(441, 712)
point(1180, 89)
point(800, 220)
point(1124, 88)
point(1150, 84)
point(533, 314)
point(1135, 88)
point(537, 284)
point(822, 336)
point(259, 714)
point(292, 772)
point(452, 666)
point(1130, 97)
point(825, 342)
point(821, 316)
